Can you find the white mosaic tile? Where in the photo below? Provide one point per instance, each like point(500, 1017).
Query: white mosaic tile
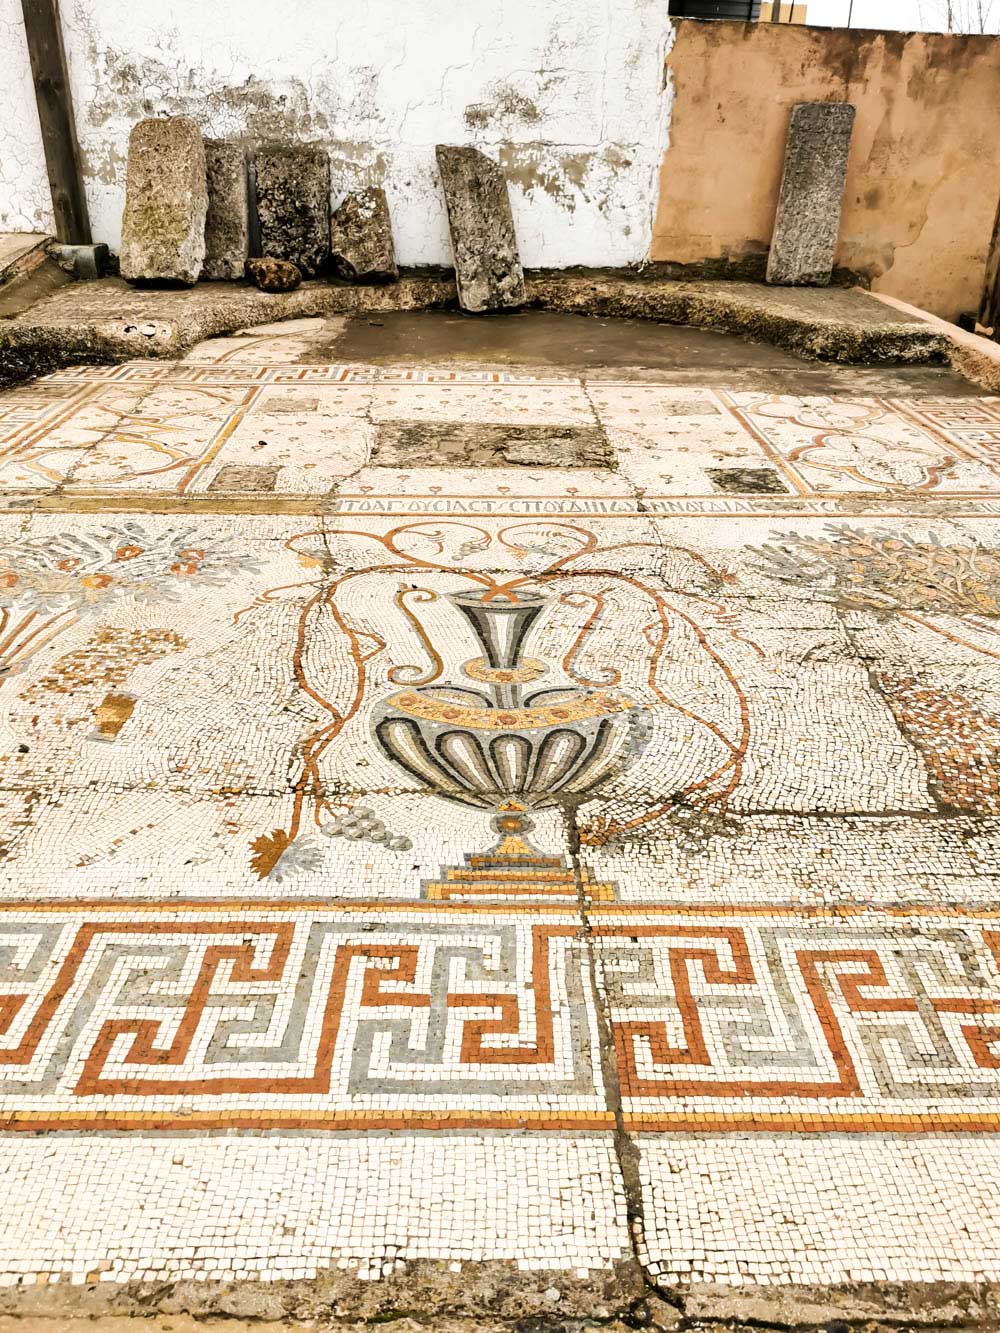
point(838, 1209)
point(415, 775)
point(366, 1202)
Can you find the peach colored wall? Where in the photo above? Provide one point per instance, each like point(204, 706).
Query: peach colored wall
point(924, 173)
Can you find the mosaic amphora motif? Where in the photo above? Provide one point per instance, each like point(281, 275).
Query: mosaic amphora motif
point(504, 738)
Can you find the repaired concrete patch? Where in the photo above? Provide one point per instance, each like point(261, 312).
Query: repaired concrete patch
point(251, 477)
point(744, 481)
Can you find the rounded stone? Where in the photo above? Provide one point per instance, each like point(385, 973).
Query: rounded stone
point(273, 275)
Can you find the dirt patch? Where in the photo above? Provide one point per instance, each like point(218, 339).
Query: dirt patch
point(496, 1298)
point(255, 477)
point(487, 444)
point(747, 481)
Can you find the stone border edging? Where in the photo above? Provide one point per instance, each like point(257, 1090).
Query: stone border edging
point(510, 1298)
point(831, 324)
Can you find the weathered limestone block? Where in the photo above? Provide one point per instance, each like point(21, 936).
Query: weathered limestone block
point(487, 264)
point(812, 192)
point(273, 275)
point(361, 239)
point(166, 200)
point(293, 204)
point(227, 225)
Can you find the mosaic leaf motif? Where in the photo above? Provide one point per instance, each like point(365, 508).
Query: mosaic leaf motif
point(267, 851)
point(856, 568)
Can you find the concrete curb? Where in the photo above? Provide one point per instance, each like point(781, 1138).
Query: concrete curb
point(819, 323)
point(21, 253)
point(972, 355)
point(109, 321)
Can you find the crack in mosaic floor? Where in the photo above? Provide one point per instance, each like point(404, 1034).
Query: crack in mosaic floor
point(634, 777)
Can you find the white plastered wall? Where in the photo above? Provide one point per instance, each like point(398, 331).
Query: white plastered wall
point(25, 202)
point(569, 98)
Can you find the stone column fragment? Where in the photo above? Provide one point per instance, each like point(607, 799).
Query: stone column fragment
point(227, 226)
point(361, 239)
point(812, 193)
point(166, 200)
point(487, 264)
point(293, 204)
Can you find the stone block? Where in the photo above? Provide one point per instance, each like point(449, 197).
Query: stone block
point(227, 225)
point(812, 193)
point(166, 200)
point(361, 243)
point(293, 204)
point(487, 264)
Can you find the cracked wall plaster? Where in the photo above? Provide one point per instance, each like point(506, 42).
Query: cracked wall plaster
point(921, 190)
point(574, 109)
point(25, 203)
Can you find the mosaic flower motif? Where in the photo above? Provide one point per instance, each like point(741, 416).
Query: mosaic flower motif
point(50, 582)
point(887, 573)
point(83, 568)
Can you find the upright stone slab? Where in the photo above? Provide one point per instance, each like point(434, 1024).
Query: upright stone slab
point(166, 200)
point(361, 239)
point(227, 225)
point(487, 264)
point(812, 193)
point(293, 204)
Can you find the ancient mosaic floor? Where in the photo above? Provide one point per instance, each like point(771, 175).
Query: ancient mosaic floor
point(481, 815)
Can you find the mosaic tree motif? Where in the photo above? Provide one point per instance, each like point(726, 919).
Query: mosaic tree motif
point(950, 591)
point(510, 733)
point(897, 576)
point(49, 583)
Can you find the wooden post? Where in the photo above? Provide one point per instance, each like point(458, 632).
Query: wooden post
point(989, 312)
point(55, 115)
